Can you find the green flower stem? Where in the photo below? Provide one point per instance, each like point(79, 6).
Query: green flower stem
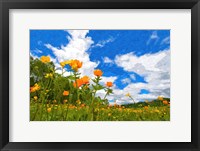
point(63, 116)
point(62, 71)
point(92, 104)
point(105, 95)
point(44, 98)
point(132, 98)
point(75, 76)
point(35, 112)
point(52, 114)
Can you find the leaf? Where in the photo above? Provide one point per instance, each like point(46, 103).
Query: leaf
point(98, 87)
point(71, 77)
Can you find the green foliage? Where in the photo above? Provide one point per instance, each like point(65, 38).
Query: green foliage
point(153, 103)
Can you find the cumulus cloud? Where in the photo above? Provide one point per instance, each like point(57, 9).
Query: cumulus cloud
point(155, 68)
point(77, 48)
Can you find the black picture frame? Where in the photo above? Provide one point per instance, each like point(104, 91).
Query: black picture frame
point(5, 5)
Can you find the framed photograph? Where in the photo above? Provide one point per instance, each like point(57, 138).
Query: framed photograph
point(99, 75)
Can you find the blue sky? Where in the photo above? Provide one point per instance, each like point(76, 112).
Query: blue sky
point(137, 61)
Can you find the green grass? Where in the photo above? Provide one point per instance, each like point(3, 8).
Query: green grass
point(135, 112)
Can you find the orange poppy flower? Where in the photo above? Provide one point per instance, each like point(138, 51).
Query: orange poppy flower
point(82, 105)
point(109, 84)
point(78, 83)
point(98, 72)
point(165, 102)
point(32, 89)
point(66, 93)
point(85, 79)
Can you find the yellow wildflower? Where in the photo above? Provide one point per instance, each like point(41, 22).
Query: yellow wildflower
point(35, 98)
point(34, 88)
point(160, 98)
point(48, 75)
point(62, 64)
point(78, 102)
point(128, 94)
point(49, 110)
point(45, 59)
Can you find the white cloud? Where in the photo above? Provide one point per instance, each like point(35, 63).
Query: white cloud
point(108, 79)
point(107, 60)
point(104, 42)
point(165, 41)
point(133, 77)
point(37, 51)
point(156, 71)
point(34, 56)
point(154, 37)
point(126, 81)
point(145, 64)
point(77, 48)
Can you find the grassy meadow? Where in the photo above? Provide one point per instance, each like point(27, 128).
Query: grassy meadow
point(55, 97)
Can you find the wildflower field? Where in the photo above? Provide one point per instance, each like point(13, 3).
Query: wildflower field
point(55, 97)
